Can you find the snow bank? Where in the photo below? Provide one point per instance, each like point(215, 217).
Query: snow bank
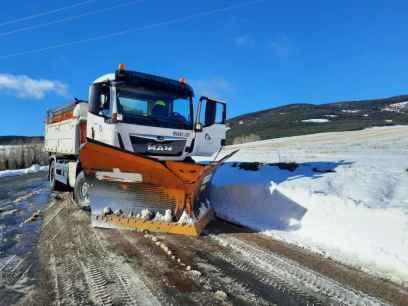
point(316, 120)
point(344, 195)
point(32, 169)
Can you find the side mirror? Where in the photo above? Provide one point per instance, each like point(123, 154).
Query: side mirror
point(198, 127)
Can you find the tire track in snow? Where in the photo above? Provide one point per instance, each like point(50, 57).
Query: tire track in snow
point(114, 280)
point(238, 291)
point(53, 270)
point(292, 274)
point(8, 270)
point(97, 283)
point(70, 288)
point(82, 270)
point(8, 261)
point(214, 275)
point(164, 297)
point(279, 290)
point(70, 285)
point(132, 289)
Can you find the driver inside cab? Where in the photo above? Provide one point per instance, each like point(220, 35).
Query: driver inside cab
point(160, 109)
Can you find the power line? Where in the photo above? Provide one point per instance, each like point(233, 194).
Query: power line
point(131, 30)
point(95, 12)
point(46, 13)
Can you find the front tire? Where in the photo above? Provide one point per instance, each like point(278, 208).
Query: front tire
point(81, 191)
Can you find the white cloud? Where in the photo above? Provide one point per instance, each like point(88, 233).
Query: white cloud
point(282, 46)
point(23, 86)
point(244, 41)
point(216, 87)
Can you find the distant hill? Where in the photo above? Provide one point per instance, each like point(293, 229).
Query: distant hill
point(305, 118)
point(20, 140)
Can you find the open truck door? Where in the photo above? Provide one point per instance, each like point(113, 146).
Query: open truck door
point(210, 127)
point(102, 113)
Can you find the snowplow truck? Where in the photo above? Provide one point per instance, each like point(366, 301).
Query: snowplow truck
point(126, 152)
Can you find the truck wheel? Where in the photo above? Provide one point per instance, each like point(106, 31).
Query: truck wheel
point(81, 189)
point(54, 184)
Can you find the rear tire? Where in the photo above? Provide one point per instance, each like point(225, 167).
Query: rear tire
point(81, 191)
point(54, 184)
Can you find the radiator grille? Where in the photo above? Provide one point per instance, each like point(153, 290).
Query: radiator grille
point(153, 147)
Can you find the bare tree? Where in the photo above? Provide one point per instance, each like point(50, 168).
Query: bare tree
point(22, 156)
point(2, 159)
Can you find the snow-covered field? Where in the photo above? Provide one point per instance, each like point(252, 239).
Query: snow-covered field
point(397, 107)
point(32, 169)
point(316, 120)
point(346, 197)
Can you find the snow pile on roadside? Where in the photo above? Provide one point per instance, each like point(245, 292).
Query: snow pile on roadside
point(32, 169)
point(344, 195)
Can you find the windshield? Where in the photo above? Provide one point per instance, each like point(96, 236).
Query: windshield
point(154, 109)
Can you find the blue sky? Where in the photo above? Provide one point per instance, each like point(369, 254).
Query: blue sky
point(255, 56)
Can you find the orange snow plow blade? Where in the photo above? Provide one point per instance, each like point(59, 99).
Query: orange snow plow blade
point(193, 229)
point(129, 190)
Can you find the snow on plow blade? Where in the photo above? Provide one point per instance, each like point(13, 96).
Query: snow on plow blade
point(129, 190)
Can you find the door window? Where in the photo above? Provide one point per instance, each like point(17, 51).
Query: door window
point(181, 110)
point(220, 113)
point(105, 105)
point(212, 112)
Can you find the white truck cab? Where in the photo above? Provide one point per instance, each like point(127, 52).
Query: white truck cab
point(154, 116)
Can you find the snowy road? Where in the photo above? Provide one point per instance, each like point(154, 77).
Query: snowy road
point(229, 265)
point(20, 197)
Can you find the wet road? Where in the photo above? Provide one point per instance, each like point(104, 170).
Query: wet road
point(59, 259)
point(20, 198)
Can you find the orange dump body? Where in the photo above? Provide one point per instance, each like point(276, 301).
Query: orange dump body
point(62, 114)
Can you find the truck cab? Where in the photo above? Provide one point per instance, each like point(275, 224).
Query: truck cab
point(154, 116)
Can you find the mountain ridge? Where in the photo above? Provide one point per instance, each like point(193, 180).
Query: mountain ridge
point(306, 118)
